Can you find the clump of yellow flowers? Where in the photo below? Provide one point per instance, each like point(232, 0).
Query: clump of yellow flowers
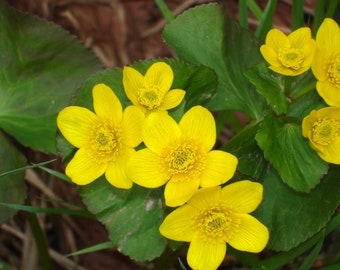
point(177, 155)
point(296, 53)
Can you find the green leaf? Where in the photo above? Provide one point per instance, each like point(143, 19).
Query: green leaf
point(305, 104)
point(251, 162)
point(283, 145)
point(293, 217)
point(12, 186)
point(204, 35)
point(269, 85)
point(41, 66)
point(132, 217)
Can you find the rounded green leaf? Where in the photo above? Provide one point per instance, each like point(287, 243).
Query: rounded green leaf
point(132, 217)
point(293, 217)
point(204, 35)
point(41, 66)
point(291, 155)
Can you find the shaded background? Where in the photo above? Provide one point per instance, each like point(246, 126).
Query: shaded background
point(118, 33)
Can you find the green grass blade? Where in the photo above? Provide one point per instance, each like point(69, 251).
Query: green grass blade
point(266, 21)
point(243, 13)
point(297, 14)
point(55, 211)
point(332, 5)
point(309, 261)
point(55, 173)
point(166, 12)
point(27, 167)
point(94, 248)
point(255, 9)
point(40, 241)
point(319, 15)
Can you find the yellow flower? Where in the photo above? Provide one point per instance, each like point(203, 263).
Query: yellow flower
point(152, 91)
point(179, 155)
point(106, 138)
point(326, 63)
point(289, 55)
point(215, 216)
point(322, 128)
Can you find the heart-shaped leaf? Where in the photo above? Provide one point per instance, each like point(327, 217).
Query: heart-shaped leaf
point(41, 66)
point(204, 35)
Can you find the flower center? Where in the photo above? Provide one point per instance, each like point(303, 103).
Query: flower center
point(215, 223)
point(325, 131)
point(291, 58)
point(183, 158)
point(334, 70)
point(150, 97)
point(105, 142)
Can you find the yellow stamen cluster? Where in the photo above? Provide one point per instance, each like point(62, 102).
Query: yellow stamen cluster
point(291, 58)
point(105, 142)
point(150, 98)
point(325, 131)
point(214, 223)
point(184, 158)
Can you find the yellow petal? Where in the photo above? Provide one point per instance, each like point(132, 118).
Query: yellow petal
point(331, 152)
point(318, 65)
point(106, 104)
point(76, 123)
point(270, 55)
point(159, 74)
point(205, 197)
point(198, 123)
point(178, 225)
point(203, 255)
point(82, 169)
point(308, 122)
point(160, 130)
point(219, 167)
point(309, 52)
point(243, 196)
point(250, 235)
point(144, 169)
point(276, 39)
point(328, 37)
point(132, 81)
point(132, 126)
point(289, 71)
point(172, 99)
point(329, 92)
point(116, 172)
point(300, 37)
point(178, 193)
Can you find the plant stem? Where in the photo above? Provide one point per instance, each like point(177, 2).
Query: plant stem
point(166, 12)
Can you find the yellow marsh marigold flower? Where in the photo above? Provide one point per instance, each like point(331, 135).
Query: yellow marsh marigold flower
point(215, 216)
point(106, 138)
point(180, 156)
point(289, 55)
point(322, 128)
point(152, 91)
point(326, 62)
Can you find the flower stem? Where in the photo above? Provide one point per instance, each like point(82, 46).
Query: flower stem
point(166, 12)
